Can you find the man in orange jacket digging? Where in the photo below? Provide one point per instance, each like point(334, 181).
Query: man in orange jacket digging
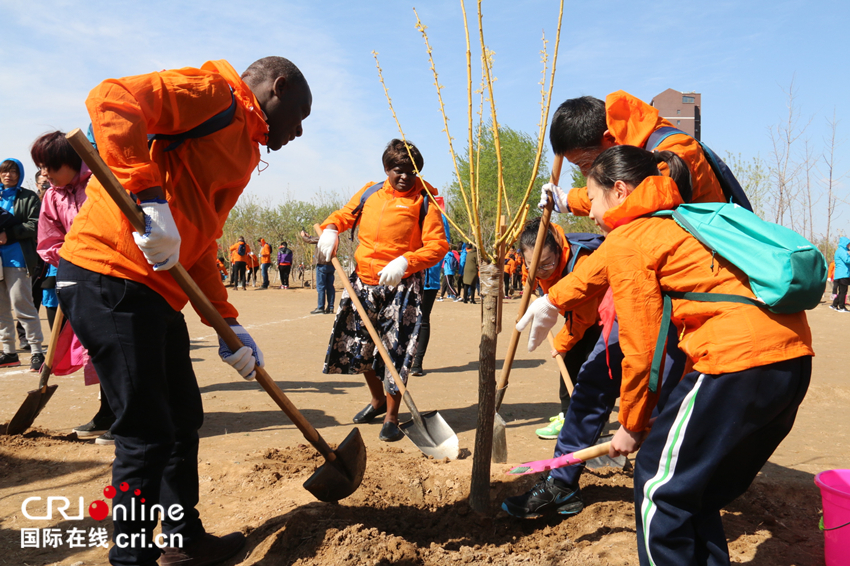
point(210, 123)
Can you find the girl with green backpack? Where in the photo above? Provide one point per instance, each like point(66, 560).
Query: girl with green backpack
point(704, 440)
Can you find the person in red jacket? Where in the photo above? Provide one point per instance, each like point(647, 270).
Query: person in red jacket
point(127, 313)
point(394, 250)
point(702, 438)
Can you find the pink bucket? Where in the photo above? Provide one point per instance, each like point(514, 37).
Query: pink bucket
point(835, 491)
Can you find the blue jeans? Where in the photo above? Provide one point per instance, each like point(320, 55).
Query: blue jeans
point(325, 285)
point(265, 268)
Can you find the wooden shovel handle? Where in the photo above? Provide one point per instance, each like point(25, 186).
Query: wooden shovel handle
point(529, 284)
point(376, 338)
point(47, 366)
point(197, 297)
point(592, 452)
point(562, 366)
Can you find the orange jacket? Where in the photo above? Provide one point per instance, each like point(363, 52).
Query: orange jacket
point(235, 256)
point(643, 256)
point(510, 265)
point(831, 271)
point(221, 267)
point(202, 178)
point(389, 228)
point(631, 121)
point(265, 252)
point(582, 316)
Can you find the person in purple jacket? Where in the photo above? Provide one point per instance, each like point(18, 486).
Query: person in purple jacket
point(284, 264)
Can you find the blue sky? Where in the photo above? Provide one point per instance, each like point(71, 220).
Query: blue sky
point(739, 55)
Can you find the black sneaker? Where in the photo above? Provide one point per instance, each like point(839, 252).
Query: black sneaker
point(547, 498)
point(417, 370)
point(317, 310)
point(95, 427)
point(105, 439)
point(36, 361)
point(9, 360)
point(329, 310)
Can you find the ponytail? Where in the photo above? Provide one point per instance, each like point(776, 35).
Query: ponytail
point(632, 165)
point(679, 172)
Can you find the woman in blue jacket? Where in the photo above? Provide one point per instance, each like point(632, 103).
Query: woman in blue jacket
point(842, 274)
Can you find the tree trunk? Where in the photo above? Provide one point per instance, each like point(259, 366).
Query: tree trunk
point(479, 491)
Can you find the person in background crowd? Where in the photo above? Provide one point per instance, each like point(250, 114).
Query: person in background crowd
point(470, 274)
point(19, 209)
point(841, 275)
point(324, 278)
point(239, 257)
point(284, 264)
point(265, 261)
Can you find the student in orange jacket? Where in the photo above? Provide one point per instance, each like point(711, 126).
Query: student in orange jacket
point(576, 339)
point(716, 427)
point(394, 250)
point(239, 255)
point(265, 261)
point(127, 313)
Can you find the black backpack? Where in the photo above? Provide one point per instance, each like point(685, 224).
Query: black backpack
point(358, 210)
point(732, 190)
point(241, 249)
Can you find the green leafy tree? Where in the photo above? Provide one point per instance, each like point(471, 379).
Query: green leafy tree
point(518, 152)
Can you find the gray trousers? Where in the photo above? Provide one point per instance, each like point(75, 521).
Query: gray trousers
point(16, 293)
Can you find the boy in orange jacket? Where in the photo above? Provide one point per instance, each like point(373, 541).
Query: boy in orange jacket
point(713, 430)
point(397, 243)
point(128, 314)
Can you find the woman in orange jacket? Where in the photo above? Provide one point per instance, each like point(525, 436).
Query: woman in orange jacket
point(397, 242)
point(714, 429)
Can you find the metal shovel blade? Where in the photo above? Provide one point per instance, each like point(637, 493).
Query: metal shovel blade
point(437, 440)
point(31, 407)
point(500, 441)
point(338, 479)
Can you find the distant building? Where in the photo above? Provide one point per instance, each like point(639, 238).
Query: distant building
point(682, 109)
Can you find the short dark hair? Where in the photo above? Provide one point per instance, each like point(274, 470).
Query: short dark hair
point(528, 238)
point(578, 123)
point(396, 154)
point(52, 150)
point(634, 164)
point(270, 68)
point(10, 165)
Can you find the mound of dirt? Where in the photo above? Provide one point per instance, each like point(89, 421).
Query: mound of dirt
point(412, 510)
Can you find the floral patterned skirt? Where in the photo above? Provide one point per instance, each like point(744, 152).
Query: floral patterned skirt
point(395, 313)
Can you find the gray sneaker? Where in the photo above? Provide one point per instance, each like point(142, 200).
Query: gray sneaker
point(105, 439)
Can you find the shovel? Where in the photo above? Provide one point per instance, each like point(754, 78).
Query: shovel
point(571, 459)
point(343, 470)
point(37, 399)
point(500, 443)
point(428, 431)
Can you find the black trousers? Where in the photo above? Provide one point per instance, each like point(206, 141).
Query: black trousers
point(239, 277)
point(428, 298)
point(841, 294)
point(712, 436)
point(284, 271)
point(574, 359)
point(140, 348)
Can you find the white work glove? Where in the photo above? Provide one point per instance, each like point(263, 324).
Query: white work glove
point(393, 273)
point(245, 358)
point(161, 241)
point(558, 196)
point(327, 244)
point(543, 316)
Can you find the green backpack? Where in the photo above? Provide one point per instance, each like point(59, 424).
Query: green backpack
point(787, 274)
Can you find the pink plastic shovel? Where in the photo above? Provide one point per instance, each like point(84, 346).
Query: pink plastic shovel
point(562, 461)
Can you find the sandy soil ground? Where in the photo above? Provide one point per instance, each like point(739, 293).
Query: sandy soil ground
point(409, 509)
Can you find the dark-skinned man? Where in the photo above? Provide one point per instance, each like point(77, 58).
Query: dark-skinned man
point(122, 306)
